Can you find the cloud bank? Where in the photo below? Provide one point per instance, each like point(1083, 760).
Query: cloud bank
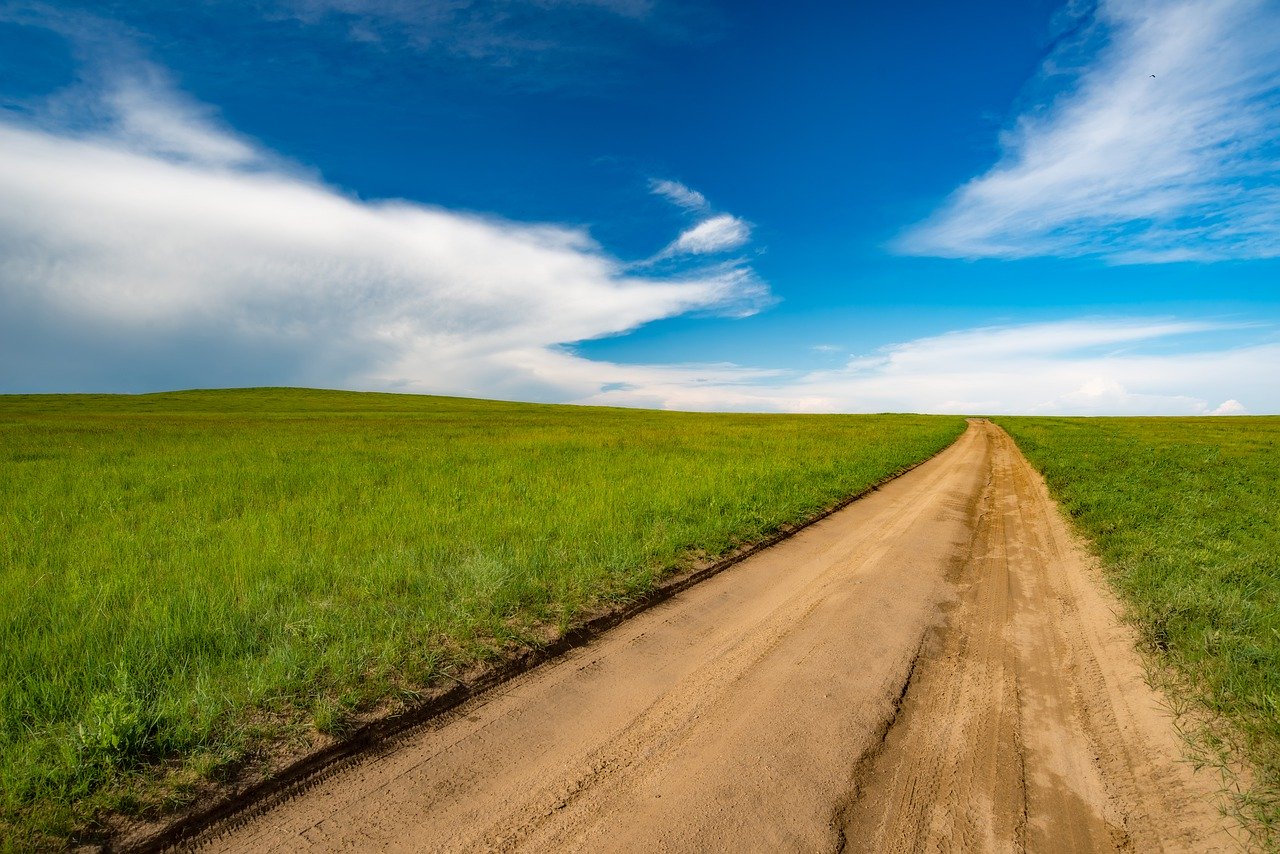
point(1164, 146)
point(157, 248)
point(1095, 366)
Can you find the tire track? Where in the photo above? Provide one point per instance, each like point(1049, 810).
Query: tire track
point(1031, 728)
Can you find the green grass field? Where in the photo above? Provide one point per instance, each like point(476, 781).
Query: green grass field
point(189, 576)
point(1185, 513)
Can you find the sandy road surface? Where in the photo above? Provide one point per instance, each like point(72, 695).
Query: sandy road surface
point(933, 668)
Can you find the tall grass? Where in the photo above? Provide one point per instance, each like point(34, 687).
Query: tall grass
point(187, 576)
point(1185, 513)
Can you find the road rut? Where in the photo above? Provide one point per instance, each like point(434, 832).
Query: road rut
point(936, 667)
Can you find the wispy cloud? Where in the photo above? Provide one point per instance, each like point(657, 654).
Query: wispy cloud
point(419, 11)
point(719, 233)
point(1163, 146)
point(678, 194)
point(528, 43)
point(714, 233)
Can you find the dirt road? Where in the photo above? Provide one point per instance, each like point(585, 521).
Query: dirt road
point(936, 667)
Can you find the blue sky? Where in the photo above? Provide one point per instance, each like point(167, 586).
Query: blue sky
point(1024, 207)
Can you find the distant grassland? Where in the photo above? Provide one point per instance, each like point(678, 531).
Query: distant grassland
point(1185, 513)
point(186, 576)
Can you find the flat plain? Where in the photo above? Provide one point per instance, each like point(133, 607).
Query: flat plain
point(192, 577)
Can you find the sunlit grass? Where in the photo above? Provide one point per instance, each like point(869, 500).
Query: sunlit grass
point(185, 576)
point(1185, 513)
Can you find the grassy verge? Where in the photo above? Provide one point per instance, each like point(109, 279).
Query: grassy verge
point(189, 577)
point(1185, 513)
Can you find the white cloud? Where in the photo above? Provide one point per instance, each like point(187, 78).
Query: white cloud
point(1078, 367)
point(719, 233)
point(1230, 407)
point(678, 194)
point(159, 251)
point(1182, 165)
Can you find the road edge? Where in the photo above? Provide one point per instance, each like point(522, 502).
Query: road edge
point(1161, 679)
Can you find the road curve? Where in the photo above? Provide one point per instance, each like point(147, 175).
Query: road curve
point(935, 667)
